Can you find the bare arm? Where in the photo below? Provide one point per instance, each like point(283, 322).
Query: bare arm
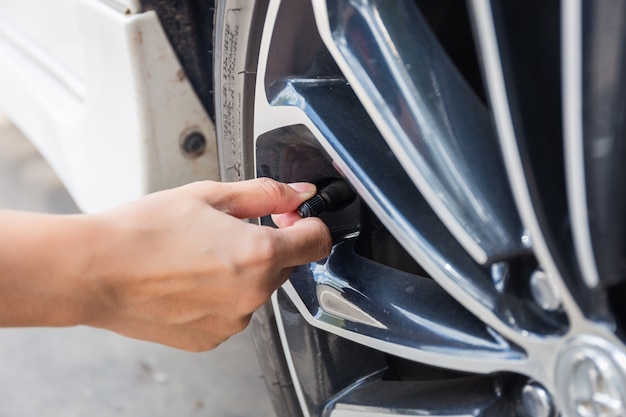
point(177, 267)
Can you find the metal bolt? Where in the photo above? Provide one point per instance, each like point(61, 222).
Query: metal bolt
point(537, 401)
point(194, 144)
point(543, 291)
point(526, 240)
point(499, 275)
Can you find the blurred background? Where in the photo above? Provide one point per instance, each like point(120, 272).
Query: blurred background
point(86, 372)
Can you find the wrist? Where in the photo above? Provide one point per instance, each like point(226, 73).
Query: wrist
point(44, 261)
point(84, 267)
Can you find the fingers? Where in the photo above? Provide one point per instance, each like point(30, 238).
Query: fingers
point(256, 198)
point(305, 241)
point(286, 219)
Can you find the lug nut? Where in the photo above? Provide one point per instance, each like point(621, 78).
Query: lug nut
point(537, 401)
point(543, 291)
point(500, 275)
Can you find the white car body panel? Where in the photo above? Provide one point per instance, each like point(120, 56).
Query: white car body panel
point(99, 90)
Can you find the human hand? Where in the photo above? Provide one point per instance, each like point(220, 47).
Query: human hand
point(180, 268)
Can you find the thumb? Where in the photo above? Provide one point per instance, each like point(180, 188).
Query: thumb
point(305, 241)
point(258, 197)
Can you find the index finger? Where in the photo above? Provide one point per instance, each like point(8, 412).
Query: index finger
point(258, 197)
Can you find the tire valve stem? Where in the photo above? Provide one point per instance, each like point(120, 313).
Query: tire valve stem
point(336, 194)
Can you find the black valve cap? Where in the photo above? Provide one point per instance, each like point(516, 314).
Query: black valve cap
point(312, 207)
point(331, 197)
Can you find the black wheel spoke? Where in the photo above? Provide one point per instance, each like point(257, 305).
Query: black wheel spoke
point(434, 122)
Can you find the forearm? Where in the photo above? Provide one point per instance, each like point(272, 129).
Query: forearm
point(43, 264)
point(177, 267)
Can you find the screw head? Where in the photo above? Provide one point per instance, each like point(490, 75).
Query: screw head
point(194, 144)
point(543, 291)
point(537, 401)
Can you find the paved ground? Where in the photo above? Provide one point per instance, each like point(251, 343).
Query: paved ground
point(83, 372)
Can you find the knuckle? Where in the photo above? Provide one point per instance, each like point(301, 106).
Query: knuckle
point(206, 190)
point(265, 247)
point(258, 252)
point(202, 186)
point(272, 188)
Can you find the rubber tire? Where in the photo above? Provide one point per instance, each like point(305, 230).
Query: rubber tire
point(268, 346)
point(234, 124)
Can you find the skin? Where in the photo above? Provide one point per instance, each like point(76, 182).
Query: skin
point(178, 267)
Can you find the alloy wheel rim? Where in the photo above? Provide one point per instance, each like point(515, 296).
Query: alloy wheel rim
point(508, 341)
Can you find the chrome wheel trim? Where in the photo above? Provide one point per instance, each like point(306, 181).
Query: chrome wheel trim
point(443, 194)
point(573, 138)
point(500, 107)
point(542, 352)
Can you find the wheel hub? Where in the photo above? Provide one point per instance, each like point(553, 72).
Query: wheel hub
point(590, 379)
